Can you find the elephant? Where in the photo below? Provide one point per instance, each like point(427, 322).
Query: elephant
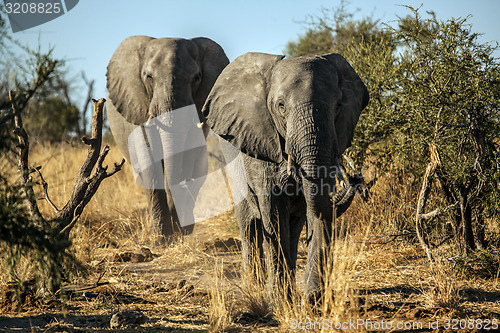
point(291, 119)
point(148, 79)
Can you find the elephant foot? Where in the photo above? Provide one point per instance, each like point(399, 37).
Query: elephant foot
point(187, 230)
point(177, 231)
point(168, 237)
point(173, 228)
point(314, 299)
point(166, 241)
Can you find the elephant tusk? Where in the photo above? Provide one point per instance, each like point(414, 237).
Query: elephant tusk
point(338, 172)
point(289, 165)
point(199, 125)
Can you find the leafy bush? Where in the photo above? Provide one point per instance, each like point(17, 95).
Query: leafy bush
point(431, 83)
point(481, 264)
point(52, 119)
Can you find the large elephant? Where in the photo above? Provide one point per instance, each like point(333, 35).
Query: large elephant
point(147, 79)
point(292, 119)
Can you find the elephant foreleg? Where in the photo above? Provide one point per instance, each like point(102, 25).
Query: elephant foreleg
point(277, 240)
point(251, 233)
point(160, 212)
point(175, 225)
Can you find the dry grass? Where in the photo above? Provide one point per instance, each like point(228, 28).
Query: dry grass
point(219, 309)
point(389, 209)
point(376, 272)
point(340, 300)
point(442, 289)
point(255, 301)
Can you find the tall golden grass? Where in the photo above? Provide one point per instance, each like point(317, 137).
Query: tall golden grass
point(116, 218)
point(219, 311)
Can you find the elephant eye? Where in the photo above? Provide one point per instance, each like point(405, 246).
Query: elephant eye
point(281, 108)
point(197, 77)
point(149, 77)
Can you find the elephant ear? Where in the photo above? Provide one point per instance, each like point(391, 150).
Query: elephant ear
point(354, 99)
point(213, 61)
point(236, 108)
point(125, 87)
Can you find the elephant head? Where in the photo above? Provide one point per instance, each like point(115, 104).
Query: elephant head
point(300, 112)
point(149, 77)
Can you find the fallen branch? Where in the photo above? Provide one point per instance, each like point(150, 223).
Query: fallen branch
point(83, 287)
point(389, 238)
point(437, 212)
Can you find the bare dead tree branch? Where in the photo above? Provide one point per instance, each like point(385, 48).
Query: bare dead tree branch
point(433, 169)
point(443, 125)
point(88, 99)
point(437, 212)
point(388, 238)
point(90, 176)
point(87, 183)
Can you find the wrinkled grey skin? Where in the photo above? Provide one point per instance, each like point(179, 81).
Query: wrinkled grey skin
point(147, 77)
point(288, 114)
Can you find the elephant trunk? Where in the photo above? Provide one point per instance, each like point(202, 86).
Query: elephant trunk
point(312, 146)
point(169, 97)
point(323, 207)
point(319, 213)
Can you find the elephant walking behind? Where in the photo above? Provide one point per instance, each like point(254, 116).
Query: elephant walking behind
point(156, 90)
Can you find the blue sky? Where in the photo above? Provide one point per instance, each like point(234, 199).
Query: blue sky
point(88, 35)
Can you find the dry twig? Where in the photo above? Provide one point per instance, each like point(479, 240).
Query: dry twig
point(421, 218)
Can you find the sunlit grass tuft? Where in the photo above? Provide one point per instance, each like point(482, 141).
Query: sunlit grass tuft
point(219, 312)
